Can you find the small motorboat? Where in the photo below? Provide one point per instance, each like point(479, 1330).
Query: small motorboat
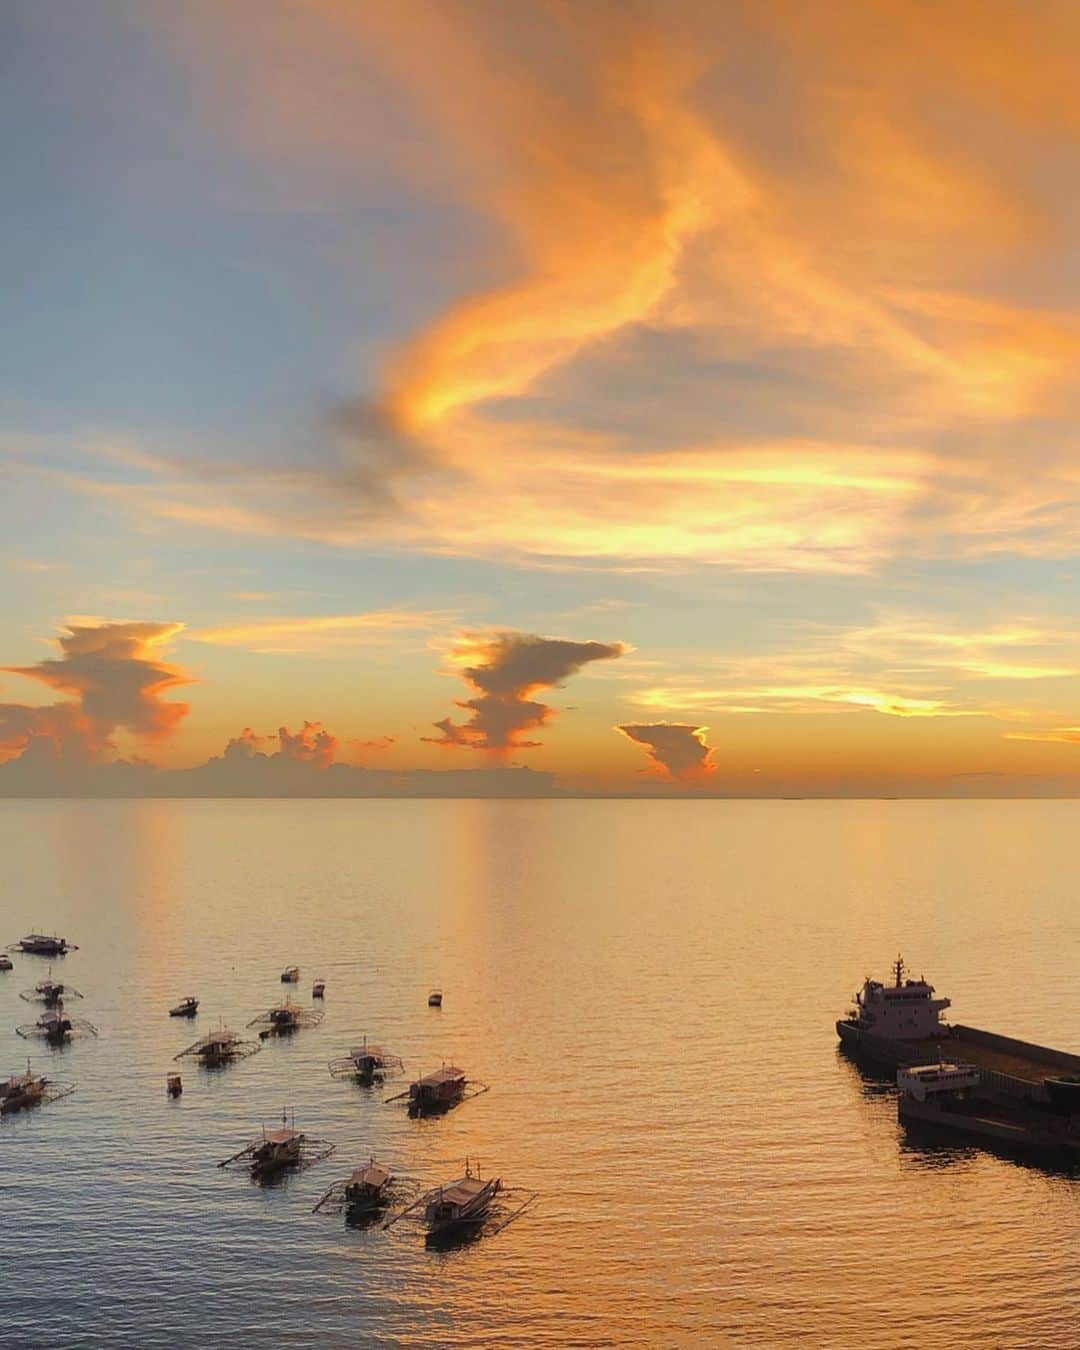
point(187, 1007)
point(174, 1085)
point(318, 989)
point(6, 963)
point(434, 999)
point(290, 975)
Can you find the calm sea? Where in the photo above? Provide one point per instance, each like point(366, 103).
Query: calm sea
point(650, 989)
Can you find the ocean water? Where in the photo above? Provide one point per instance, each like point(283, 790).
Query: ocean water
point(649, 988)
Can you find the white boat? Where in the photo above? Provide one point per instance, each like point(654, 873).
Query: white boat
point(931, 1080)
point(318, 989)
point(290, 975)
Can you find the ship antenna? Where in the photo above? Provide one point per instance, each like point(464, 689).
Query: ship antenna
point(899, 969)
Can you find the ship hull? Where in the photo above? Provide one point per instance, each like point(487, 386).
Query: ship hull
point(1020, 1131)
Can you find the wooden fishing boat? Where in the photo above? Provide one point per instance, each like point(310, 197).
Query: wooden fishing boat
point(276, 1151)
point(284, 1019)
point(23, 1090)
point(436, 1093)
point(50, 992)
point(365, 1063)
point(464, 1201)
point(41, 944)
point(56, 1027)
point(219, 1047)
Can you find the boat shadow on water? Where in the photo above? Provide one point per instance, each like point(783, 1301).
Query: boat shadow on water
point(935, 1148)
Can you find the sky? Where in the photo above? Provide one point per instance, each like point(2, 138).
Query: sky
point(620, 397)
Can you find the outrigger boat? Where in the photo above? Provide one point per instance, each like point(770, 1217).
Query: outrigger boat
point(187, 1007)
point(285, 1019)
point(437, 1092)
point(465, 1206)
point(365, 1063)
point(28, 1089)
point(290, 975)
point(278, 1150)
point(363, 1194)
point(219, 1047)
point(56, 1027)
point(50, 992)
point(39, 944)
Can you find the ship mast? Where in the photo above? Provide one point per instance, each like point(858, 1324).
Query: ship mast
point(898, 970)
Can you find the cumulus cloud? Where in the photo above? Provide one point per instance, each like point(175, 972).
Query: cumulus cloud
point(115, 677)
point(678, 749)
point(506, 670)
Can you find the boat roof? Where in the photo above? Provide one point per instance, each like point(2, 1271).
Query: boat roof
point(360, 1051)
point(447, 1074)
point(217, 1038)
point(284, 1136)
point(374, 1174)
point(463, 1190)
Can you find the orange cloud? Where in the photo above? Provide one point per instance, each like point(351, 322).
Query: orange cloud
point(116, 677)
point(506, 670)
point(678, 750)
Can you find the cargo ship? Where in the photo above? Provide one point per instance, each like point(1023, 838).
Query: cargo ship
point(899, 1024)
point(1013, 1093)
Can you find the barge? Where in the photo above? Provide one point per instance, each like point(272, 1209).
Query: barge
point(899, 1025)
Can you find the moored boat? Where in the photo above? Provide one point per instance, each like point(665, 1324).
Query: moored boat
point(437, 1091)
point(366, 1187)
point(290, 975)
point(41, 944)
point(434, 999)
point(218, 1047)
point(6, 963)
point(21, 1090)
point(187, 1007)
point(365, 1063)
point(464, 1201)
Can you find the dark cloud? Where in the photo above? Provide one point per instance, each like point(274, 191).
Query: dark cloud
point(676, 748)
point(506, 669)
point(114, 677)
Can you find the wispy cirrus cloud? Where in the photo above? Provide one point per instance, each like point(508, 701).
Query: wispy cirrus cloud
point(306, 634)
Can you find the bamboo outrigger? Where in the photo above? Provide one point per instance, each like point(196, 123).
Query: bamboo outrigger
point(27, 1089)
point(219, 1047)
point(277, 1151)
point(438, 1092)
point(365, 1064)
point(56, 1027)
point(285, 1019)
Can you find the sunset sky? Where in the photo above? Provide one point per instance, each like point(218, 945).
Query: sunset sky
point(666, 397)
